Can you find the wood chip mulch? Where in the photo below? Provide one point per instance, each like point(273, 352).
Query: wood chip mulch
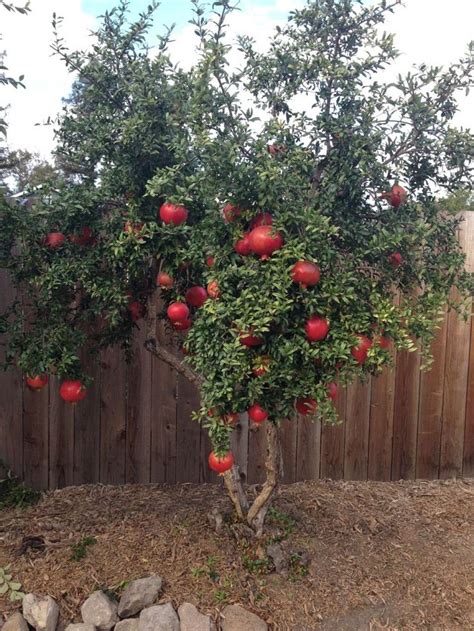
point(396, 556)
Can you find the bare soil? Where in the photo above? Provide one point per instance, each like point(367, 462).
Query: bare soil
point(382, 555)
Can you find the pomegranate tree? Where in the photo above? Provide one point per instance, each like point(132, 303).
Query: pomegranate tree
point(282, 222)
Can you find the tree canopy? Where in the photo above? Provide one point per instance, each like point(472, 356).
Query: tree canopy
point(305, 141)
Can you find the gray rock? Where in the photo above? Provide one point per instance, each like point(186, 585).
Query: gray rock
point(236, 618)
point(80, 626)
point(279, 558)
point(127, 625)
point(41, 613)
point(16, 622)
point(159, 618)
point(139, 594)
point(192, 620)
point(100, 611)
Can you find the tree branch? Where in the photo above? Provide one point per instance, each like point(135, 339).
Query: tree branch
point(236, 491)
point(151, 344)
point(261, 504)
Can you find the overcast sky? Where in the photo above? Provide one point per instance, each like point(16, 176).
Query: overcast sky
point(433, 31)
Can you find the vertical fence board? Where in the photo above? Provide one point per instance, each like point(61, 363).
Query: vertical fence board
point(188, 433)
point(382, 400)
point(456, 374)
point(332, 441)
point(468, 452)
point(11, 398)
point(87, 427)
point(36, 438)
point(356, 447)
point(138, 452)
point(405, 420)
point(61, 438)
point(163, 413)
point(289, 446)
point(431, 410)
point(113, 416)
point(308, 448)
point(256, 457)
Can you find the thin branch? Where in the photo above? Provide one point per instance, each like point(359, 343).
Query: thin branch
point(151, 344)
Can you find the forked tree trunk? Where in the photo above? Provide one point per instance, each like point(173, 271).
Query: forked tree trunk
point(255, 513)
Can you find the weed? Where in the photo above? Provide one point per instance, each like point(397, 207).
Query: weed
point(79, 550)
point(297, 567)
point(221, 596)
point(14, 494)
point(283, 521)
point(209, 569)
point(256, 566)
point(8, 585)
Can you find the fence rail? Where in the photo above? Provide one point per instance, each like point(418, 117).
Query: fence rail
point(135, 424)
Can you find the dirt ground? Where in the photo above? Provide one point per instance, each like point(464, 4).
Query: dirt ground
point(382, 555)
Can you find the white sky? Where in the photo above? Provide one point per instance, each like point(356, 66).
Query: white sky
point(431, 31)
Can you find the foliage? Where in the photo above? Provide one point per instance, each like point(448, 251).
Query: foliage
point(8, 585)
point(306, 130)
point(14, 494)
point(27, 171)
point(79, 550)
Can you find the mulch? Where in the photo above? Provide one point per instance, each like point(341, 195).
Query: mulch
point(396, 556)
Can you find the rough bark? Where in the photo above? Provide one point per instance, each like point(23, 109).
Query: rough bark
point(236, 492)
point(258, 510)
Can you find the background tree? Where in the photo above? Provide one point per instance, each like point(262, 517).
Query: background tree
point(280, 208)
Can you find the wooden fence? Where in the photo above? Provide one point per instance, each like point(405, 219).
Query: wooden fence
point(135, 424)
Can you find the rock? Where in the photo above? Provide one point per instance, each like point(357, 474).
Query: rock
point(80, 626)
point(41, 613)
point(100, 611)
point(278, 557)
point(139, 594)
point(16, 622)
point(127, 625)
point(159, 618)
point(236, 618)
point(192, 620)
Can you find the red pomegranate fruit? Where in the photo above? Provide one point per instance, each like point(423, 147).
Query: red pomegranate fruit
point(395, 259)
point(173, 213)
point(257, 414)
point(54, 240)
point(242, 246)
point(359, 352)
point(164, 280)
point(85, 237)
point(230, 419)
point(210, 261)
point(133, 227)
point(305, 273)
point(196, 296)
point(182, 325)
point(213, 290)
point(316, 328)
point(306, 406)
point(177, 312)
point(384, 342)
point(72, 391)
point(396, 196)
point(248, 339)
point(231, 212)
point(37, 383)
point(264, 241)
point(263, 219)
point(221, 464)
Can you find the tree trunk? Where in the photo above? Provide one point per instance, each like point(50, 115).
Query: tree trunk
point(256, 513)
